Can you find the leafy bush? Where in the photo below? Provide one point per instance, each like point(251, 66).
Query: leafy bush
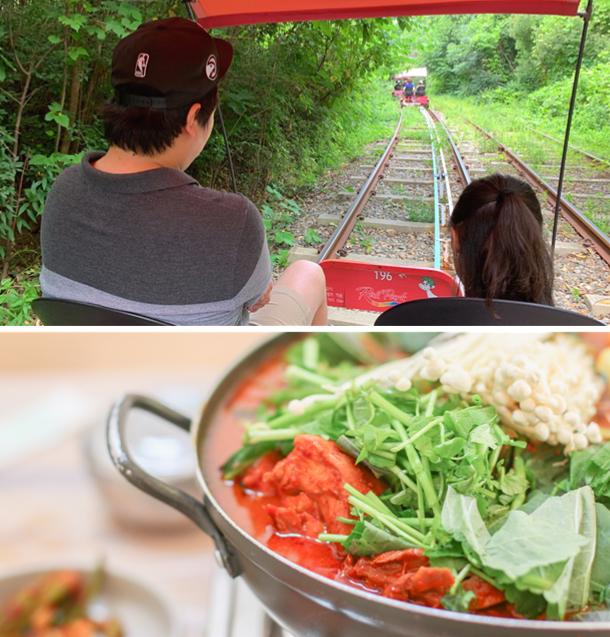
point(16, 298)
point(593, 103)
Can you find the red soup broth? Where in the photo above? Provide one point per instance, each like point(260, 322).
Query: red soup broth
point(224, 437)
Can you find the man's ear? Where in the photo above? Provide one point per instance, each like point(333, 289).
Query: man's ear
point(191, 118)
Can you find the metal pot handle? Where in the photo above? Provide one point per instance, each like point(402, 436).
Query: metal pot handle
point(183, 502)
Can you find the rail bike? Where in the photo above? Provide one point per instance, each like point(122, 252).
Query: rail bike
point(352, 283)
point(410, 88)
point(211, 13)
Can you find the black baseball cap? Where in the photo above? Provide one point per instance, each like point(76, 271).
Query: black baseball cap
point(175, 57)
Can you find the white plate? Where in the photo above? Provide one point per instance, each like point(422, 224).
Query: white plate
point(142, 610)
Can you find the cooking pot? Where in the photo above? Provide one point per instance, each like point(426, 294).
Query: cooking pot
point(303, 602)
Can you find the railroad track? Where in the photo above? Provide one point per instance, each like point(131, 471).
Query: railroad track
point(408, 190)
point(580, 221)
point(582, 275)
point(392, 206)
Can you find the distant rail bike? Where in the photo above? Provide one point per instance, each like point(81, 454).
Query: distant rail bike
point(410, 88)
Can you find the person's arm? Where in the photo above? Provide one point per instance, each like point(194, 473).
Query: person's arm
point(263, 300)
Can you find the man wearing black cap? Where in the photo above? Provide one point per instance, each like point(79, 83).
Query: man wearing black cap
point(130, 230)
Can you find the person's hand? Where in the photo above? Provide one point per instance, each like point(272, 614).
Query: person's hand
point(263, 300)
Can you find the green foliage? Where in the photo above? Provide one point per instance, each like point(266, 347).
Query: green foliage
point(600, 573)
point(312, 236)
point(298, 95)
point(470, 55)
point(288, 103)
point(16, 299)
point(593, 105)
point(525, 63)
point(23, 206)
point(459, 601)
point(279, 214)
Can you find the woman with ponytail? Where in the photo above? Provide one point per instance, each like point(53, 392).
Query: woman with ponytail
point(498, 247)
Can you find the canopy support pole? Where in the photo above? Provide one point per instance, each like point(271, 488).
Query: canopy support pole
point(586, 16)
point(189, 10)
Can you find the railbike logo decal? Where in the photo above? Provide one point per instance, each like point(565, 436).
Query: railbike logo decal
point(211, 67)
point(381, 298)
point(427, 285)
point(141, 65)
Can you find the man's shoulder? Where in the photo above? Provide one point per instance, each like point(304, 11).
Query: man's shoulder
point(221, 200)
point(73, 176)
point(70, 175)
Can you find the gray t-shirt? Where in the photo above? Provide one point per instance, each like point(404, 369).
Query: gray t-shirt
point(155, 243)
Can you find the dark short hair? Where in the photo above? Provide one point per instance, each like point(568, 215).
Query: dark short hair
point(147, 131)
point(503, 254)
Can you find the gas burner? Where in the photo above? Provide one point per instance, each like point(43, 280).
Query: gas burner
point(234, 611)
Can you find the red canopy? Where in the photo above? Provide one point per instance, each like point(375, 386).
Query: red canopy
point(223, 13)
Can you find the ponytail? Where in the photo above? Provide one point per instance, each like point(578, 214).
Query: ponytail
point(502, 254)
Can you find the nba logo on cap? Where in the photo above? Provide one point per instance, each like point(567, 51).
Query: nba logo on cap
point(141, 65)
point(211, 67)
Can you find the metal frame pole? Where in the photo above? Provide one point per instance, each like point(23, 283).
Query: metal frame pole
point(191, 13)
point(586, 16)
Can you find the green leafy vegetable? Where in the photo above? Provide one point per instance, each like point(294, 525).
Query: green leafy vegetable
point(546, 467)
point(594, 616)
point(458, 601)
point(525, 543)
point(461, 519)
point(484, 436)
point(324, 426)
point(244, 457)
point(597, 473)
point(367, 539)
point(513, 484)
point(534, 500)
point(574, 511)
point(526, 603)
point(468, 419)
point(600, 571)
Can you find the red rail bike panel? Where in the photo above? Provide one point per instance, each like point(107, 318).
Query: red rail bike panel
point(372, 287)
point(223, 13)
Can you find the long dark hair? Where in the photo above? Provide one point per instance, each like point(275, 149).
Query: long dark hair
point(502, 253)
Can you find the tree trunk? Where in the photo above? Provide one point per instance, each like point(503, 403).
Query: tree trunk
point(64, 88)
point(73, 105)
point(22, 102)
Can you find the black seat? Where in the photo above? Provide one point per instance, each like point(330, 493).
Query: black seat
point(420, 90)
point(59, 312)
point(455, 311)
point(408, 91)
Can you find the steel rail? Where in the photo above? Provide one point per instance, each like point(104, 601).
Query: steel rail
point(463, 173)
point(340, 236)
point(437, 222)
point(584, 226)
point(445, 172)
point(447, 209)
point(596, 160)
